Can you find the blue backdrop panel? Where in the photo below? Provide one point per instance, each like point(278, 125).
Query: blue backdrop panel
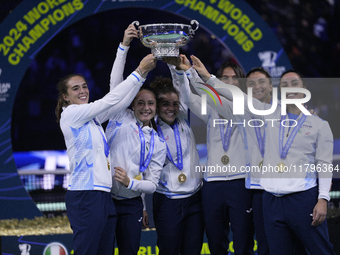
point(33, 23)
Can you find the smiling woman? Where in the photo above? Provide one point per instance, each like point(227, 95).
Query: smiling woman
point(136, 151)
point(90, 182)
point(168, 107)
point(178, 196)
point(144, 106)
point(73, 90)
point(168, 99)
point(78, 92)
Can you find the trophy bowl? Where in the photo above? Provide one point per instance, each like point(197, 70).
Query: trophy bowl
point(165, 39)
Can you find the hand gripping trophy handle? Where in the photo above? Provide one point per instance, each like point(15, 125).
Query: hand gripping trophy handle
point(136, 24)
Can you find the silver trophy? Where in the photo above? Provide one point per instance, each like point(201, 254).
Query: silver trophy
point(166, 39)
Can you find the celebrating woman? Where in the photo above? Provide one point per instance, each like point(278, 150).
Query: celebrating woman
point(226, 148)
point(177, 205)
point(136, 151)
point(90, 209)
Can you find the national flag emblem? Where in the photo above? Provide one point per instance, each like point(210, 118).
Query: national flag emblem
point(55, 249)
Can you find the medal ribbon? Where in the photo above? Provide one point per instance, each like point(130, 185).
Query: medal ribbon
point(179, 164)
point(106, 146)
point(225, 137)
point(284, 150)
point(260, 139)
point(143, 164)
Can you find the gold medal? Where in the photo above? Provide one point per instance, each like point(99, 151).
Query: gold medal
point(108, 165)
point(261, 164)
point(281, 167)
point(182, 178)
point(138, 177)
point(225, 160)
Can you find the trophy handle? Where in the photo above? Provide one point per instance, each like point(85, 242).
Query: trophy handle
point(136, 23)
point(192, 22)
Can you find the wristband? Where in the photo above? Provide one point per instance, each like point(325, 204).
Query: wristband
point(140, 72)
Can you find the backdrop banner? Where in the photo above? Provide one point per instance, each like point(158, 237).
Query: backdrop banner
point(33, 23)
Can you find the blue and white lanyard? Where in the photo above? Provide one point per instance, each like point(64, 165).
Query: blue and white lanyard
point(225, 137)
point(179, 164)
point(260, 139)
point(143, 164)
point(106, 146)
point(284, 150)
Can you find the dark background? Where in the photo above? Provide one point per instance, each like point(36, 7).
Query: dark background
point(308, 31)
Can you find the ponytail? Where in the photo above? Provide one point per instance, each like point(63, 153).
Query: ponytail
point(62, 87)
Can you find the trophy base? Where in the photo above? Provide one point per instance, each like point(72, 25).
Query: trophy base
point(165, 51)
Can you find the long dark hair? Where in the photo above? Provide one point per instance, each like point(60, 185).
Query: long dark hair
point(163, 85)
point(238, 71)
point(62, 88)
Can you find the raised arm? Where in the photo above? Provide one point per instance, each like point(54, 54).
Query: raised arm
point(230, 92)
point(147, 64)
point(178, 66)
point(179, 82)
point(208, 93)
point(117, 71)
point(77, 115)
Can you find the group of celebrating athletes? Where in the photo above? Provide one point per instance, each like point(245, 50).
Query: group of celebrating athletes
point(148, 147)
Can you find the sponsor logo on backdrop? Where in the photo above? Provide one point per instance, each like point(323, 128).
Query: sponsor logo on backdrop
point(269, 59)
point(4, 88)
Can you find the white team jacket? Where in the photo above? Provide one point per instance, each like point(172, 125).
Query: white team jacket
point(123, 138)
point(253, 175)
point(169, 184)
point(125, 146)
point(84, 139)
point(237, 150)
point(309, 157)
